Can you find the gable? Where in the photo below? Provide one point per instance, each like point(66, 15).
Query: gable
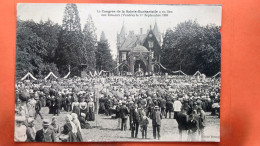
point(151, 37)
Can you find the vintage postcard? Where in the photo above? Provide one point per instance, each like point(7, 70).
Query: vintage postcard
point(117, 72)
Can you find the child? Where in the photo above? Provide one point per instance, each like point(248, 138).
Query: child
point(143, 124)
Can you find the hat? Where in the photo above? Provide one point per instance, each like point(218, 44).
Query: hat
point(156, 107)
point(36, 96)
point(131, 102)
point(20, 118)
point(29, 120)
point(46, 122)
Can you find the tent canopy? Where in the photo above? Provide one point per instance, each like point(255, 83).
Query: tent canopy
point(28, 75)
point(65, 77)
point(217, 75)
point(50, 74)
point(197, 73)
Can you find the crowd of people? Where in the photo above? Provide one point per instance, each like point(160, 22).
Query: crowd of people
point(133, 100)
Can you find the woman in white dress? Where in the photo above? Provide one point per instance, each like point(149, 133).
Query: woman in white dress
point(20, 129)
point(75, 120)
point(83, 107)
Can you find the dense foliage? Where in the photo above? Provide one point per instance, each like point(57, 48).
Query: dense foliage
point(43, 47)
point(103, 55)
point(191, 47)
point(35, 45)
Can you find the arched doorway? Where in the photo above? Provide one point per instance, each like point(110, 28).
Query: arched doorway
point(124, 69)
point(140, 67)
point(156, 69)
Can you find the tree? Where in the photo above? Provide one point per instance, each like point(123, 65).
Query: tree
point(71, 20)
point(89, 44)
point(49, 32)
point(192, 47)
point(70, 42)
point(104, 60)
point(30, 49)
point(168, 48)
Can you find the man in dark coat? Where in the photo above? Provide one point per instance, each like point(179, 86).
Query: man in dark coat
point(193, 126)
point(135, 122)
point(63, 102)
point(169, 108)
point(131, 115)
point(124, 111)
point(45, 134)
point(108, 105)
point(150, 106)
point(156, 121)
point(163, 106)
point(57, 105)
point(182, 123)
point(68, 103)
point(38, 107)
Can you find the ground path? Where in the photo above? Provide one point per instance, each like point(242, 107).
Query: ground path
point(105, 129)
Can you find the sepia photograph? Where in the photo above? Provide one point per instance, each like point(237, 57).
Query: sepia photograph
point(117, 73)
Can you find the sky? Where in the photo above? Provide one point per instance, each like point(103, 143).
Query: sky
point(111, 25)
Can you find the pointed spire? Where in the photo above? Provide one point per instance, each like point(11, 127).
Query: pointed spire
point(156, 31)
point(122, 32)
point(121, 36)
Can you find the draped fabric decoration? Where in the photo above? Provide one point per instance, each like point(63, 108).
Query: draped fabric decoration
point(95, 73)
point(90, 73)
point(197, 73)
point(178, 71)
point(216, 74)
point(50, 74)
point(110, 70)
point(65, 77)
point(100, 72)
point(163, 66)
point(28, 75)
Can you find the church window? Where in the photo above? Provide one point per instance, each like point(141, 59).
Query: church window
point(150, 43)
point(123, 56)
